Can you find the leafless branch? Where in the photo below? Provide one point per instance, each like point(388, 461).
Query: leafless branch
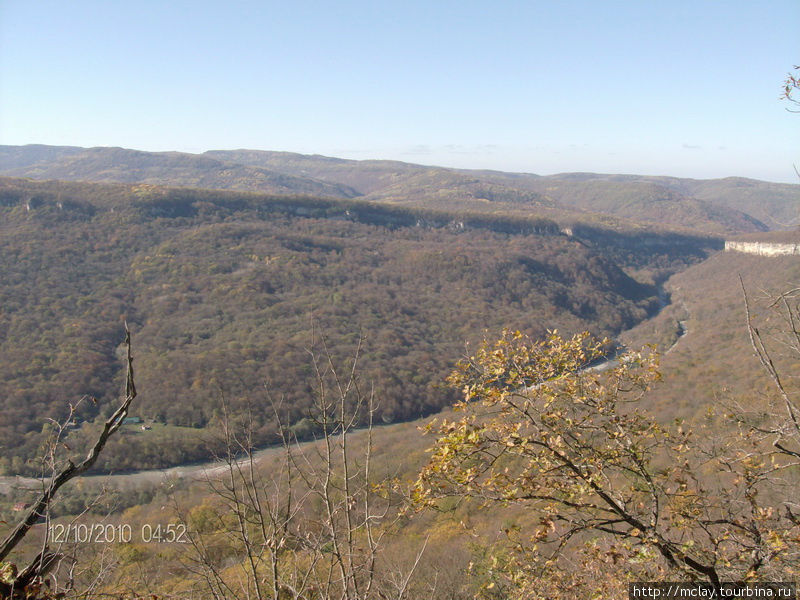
point(46, 560)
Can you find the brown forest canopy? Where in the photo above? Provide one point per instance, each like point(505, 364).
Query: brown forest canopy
point(721, 206)
point(221, 290)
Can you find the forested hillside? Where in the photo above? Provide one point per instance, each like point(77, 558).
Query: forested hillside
point(710, 368)
point(223, 290)
point(713, 364)
point(720, 206)
point(164, 168)
point(728, 202)
point(733, 204)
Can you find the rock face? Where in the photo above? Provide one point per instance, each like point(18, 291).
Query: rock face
point(763, 248)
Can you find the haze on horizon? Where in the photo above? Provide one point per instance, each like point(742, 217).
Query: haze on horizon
point(688, 89)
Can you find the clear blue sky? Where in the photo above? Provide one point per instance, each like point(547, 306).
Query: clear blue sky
point(678, 88)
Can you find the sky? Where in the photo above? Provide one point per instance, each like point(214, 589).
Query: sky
point(684, 88)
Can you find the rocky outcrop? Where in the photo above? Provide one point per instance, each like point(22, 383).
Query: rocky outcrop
point(763, 248)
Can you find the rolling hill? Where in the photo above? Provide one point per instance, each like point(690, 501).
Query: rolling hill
point(723, 206)
point(226, 292)
point(711, 366)
point(224, 289)
point(715, 206)
point(165, 168)
point(713, 363)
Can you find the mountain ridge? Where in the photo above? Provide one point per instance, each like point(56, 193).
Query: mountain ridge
point(721, 206)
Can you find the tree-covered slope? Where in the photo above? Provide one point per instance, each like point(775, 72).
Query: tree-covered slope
point(710, 362)
point(25, 157)
point(715, 206)
point(165, 168)
point(366, 176)
point(222, 291)
point(719, 206)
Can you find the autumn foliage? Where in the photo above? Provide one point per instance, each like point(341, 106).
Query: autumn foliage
point(605, 481)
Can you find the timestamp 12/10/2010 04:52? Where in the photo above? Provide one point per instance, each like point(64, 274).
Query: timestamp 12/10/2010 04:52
point(110, 533)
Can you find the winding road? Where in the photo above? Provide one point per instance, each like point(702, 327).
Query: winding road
point(200, 471)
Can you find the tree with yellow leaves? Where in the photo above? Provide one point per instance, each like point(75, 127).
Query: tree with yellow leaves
point(604, 480)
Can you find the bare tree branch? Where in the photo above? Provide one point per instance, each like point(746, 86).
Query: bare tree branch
point(39, 508)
